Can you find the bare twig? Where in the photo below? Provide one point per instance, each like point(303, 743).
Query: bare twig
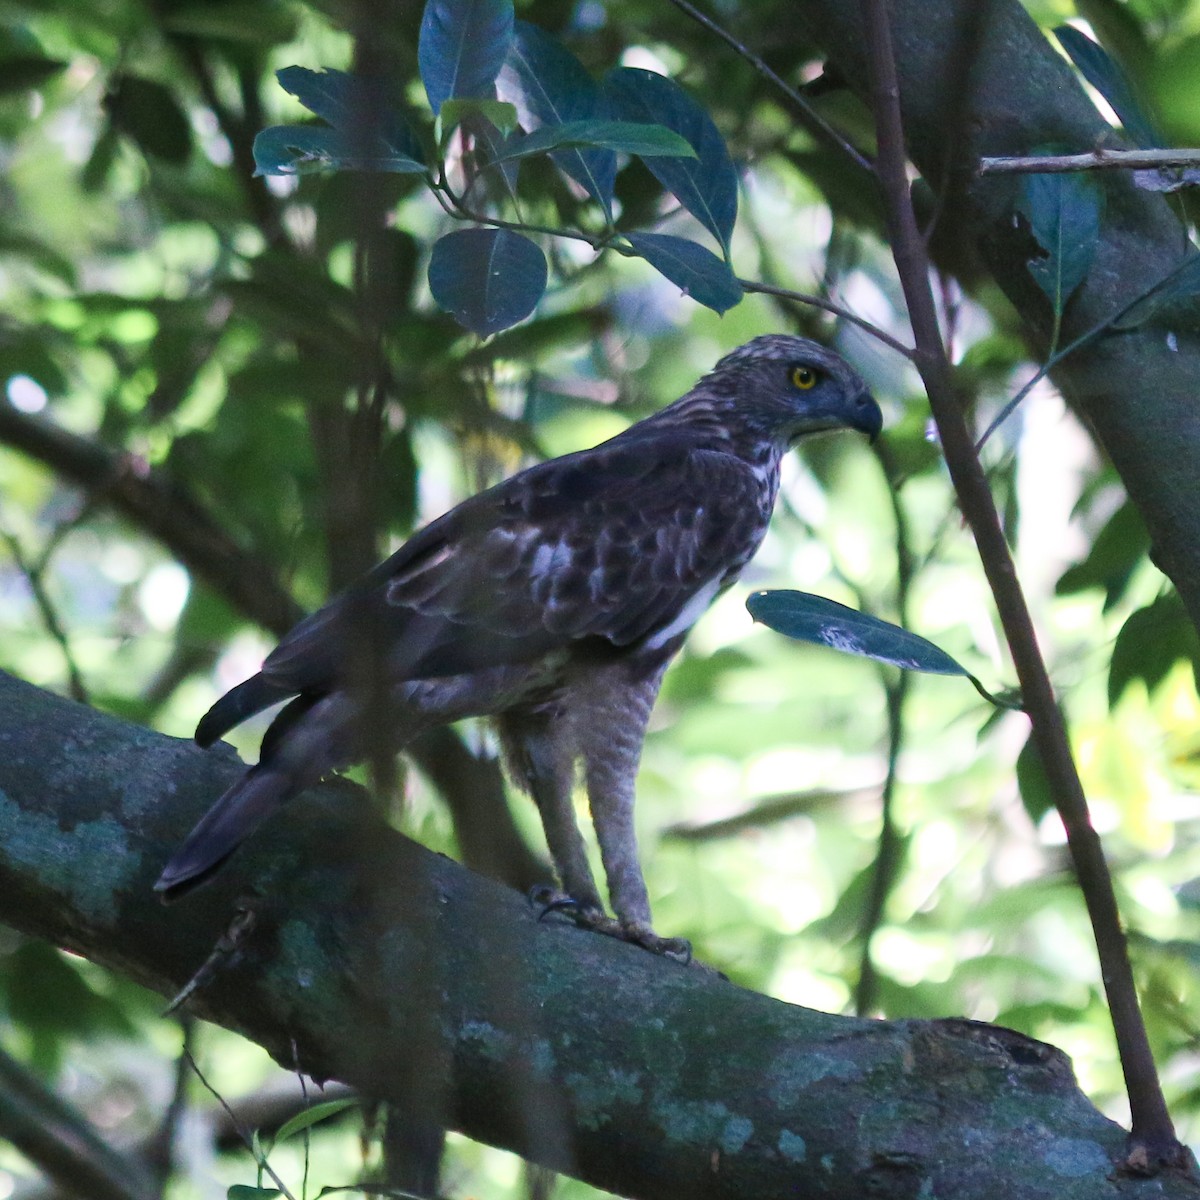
point(1099, 159)
point(1153, 1142)
point(45, 606)
point(808, 116)
point(888, 854)
point(829, 306)
point(242, 1131)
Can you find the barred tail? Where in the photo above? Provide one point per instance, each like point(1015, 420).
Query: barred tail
point(232, 819)
point(243, 701)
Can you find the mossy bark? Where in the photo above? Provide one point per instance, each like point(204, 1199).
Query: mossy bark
point(367, 959)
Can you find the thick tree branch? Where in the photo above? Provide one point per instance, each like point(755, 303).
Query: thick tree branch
point(576, 1051)
point(157, 505)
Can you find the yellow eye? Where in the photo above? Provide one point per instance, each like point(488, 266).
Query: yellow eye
point(804, 378)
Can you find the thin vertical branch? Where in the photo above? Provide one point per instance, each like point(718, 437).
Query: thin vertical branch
point(887, 856)
point(1153, 1142)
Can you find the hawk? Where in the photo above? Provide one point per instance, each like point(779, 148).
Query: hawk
point(551, 604)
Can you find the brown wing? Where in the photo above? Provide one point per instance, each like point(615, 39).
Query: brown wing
point(609, 543)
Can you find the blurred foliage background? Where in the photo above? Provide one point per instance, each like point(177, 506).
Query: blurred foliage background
point(260, 362)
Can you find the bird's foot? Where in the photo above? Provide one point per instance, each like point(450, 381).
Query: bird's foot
point(589, 916)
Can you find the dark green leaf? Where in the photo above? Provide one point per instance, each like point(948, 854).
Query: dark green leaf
point(24, 71)
point(488, 278)
point(462, 46)
point(811, 618)
point(1036, 793)
point(1181, 286)
point(556, 90)
point(147, 112)
point(626, 136)
point(1150, 643)
point(311, 1115)
point(298, 149)
point(242, 1191)
point(1063, 211)
point(705, 185)
point(1109, 80)
point(266, 23)
point(1117, 550)
point(373, 134)
point(699, 272)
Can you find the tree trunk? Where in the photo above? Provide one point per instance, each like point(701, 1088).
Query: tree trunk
point(978, 78)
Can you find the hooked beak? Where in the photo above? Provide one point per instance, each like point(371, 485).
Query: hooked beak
point(865, 415)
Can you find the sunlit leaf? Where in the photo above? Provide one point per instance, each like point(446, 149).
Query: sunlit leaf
point(703, 276)
point(462, 46)
point(626, 136)
point(705, 185)
point(488, 278)
point(497, 112)
point(311, 1115)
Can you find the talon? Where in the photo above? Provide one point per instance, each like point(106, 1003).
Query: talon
point(550, 900)
point(677, 949)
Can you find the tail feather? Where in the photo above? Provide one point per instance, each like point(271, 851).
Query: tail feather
point(243, 701)
point(232, 819)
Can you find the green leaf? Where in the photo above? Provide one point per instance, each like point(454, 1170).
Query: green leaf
point(462, 46)
point(1115, 553)
point(242, 1191)
point(1150, 643)
point(555, 89)
point(1036, 794)
point(488, 278)
point(300, 149)
point(1099, 69)
point(454, 112)
point(259, 24)
point(310, 1116)
point(147, 112)
point(23, 71)
point(369, 134)
point(1063, 211)
point(629, 137)
point(811, 618)
point(703, 276)
point(705, 185)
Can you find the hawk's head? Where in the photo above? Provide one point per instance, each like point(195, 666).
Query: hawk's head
point(785, 387)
